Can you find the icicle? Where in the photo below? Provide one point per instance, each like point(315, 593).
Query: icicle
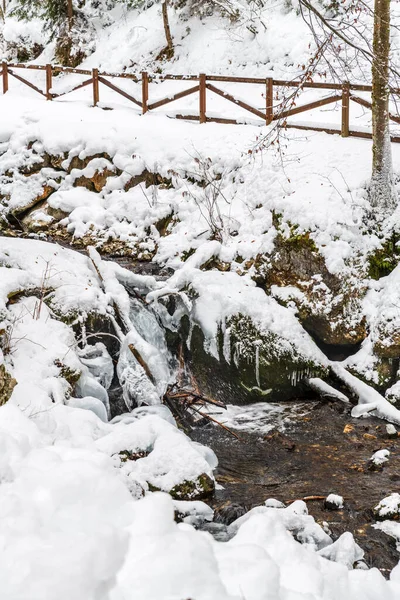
point(257, 344)
point(226, 349)
point(189, 338)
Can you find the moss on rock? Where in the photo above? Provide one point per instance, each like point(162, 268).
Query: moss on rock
point(258, 365)
point(7, 384)
point(382, 262)
point(200, 488)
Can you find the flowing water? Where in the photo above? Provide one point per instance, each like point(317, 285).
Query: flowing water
point(297, 450)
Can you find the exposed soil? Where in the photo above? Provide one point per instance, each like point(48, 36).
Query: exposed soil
point(325, 451)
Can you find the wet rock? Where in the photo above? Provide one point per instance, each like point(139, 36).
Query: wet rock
point(333, 502)
point(391, 431)
point(282, 439)
point(277, 373)
point(377, 460)
point(348, 428)
point(7, 384)
point(229, 512)
point(198, 489)
point(388, 508)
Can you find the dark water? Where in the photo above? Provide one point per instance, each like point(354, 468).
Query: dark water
point(307, 453)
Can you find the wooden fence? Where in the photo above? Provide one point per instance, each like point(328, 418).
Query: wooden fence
point(343, 93)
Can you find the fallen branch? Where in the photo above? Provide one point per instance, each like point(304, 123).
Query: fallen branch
point(206, 416)
point(306, 499)
point(142, 362)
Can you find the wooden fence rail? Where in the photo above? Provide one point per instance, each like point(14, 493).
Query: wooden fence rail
point(344, 93)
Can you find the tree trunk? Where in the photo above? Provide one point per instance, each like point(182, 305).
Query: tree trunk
point(70, 14)
point(167, 30)
point(381, 191)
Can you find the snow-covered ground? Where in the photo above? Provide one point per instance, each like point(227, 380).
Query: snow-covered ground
point(80, 515)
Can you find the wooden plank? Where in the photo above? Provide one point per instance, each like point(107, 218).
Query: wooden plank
point(209, 119)
point(312, 128)
point(58, 69)
point(306, 107)
point(222, 78)
point(321, 85)
point(358, 134)
point(26, 82)
point(49, 79)
point(96, 94)
point(145, 92)
point(77, 87)
point(346, 110)
point(119, 91)
point(202, 98)
point(177, 96)
point(240, 103)
point(269, 100)
point(174, 78)
point(29, 67)
point(368, 105)
point(4, 70)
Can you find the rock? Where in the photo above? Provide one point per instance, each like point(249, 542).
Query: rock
point(126, 455)
point(96, 182)
point(79, 163)
point(388, 508)
point(200, 488)
point(369, 436)
point(7, 384)
point(391, 431)
point(229, 512)
point(377, 460)
point(348, 428)
point(296, 262)
point(277, 374)
point(37, 219)
point(148, 178)
point(47, 190)
point(282, 439)
point(333, 502)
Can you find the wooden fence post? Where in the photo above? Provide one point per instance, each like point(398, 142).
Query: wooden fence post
point(269, 98)
point(95, 77)
point(49, 81)
point(145, 92)
point(4, 68)
point(346, 110)
point(203, 89)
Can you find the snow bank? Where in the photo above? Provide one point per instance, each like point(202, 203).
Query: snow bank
point(63, 273)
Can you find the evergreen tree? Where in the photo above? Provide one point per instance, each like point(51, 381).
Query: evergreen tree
point(54, 12)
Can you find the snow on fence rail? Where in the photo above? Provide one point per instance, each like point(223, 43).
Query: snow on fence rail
point(342, 93)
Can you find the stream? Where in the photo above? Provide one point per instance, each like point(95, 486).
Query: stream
point(299, 449)
point(304, 449)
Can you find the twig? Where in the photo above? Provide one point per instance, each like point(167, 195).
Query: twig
point(206, 416)
point(306, 499)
